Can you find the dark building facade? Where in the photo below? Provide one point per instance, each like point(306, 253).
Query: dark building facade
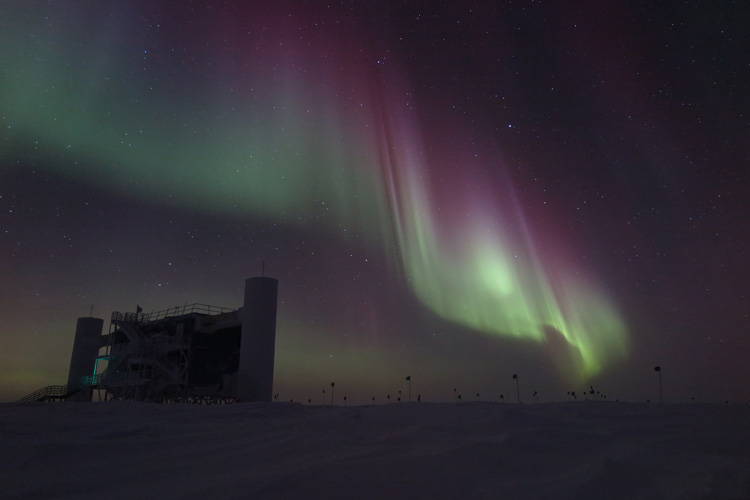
point(194, 353)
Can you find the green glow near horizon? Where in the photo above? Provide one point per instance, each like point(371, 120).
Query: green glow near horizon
point(484, 285)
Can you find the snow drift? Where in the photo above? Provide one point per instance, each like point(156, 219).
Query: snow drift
point(419, 450)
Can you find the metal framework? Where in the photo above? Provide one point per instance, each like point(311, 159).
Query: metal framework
point(185, 354)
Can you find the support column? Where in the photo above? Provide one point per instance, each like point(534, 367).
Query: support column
point(85, 351)
point(258, 341)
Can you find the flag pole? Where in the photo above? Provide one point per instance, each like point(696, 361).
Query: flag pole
point(658, 369)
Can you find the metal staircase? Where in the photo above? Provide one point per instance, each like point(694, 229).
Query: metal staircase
point(50, 393)
point(144, 365)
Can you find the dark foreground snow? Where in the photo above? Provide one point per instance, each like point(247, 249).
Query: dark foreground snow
point(583, 450)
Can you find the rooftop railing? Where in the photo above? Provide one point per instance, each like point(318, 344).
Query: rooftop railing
point(172, 312)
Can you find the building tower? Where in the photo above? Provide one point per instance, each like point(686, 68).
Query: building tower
point(85, 351)
point(257, 345)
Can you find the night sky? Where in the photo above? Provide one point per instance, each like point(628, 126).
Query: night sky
point(454, 192)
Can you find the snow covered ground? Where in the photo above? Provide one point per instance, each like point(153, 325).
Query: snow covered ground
point(581, 450)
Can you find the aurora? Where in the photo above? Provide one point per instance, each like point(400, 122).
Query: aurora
point(325, 136)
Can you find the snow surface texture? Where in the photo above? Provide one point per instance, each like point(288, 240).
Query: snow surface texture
point(582, 450)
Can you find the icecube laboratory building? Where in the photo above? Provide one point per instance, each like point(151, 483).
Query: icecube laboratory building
point(193, 353)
